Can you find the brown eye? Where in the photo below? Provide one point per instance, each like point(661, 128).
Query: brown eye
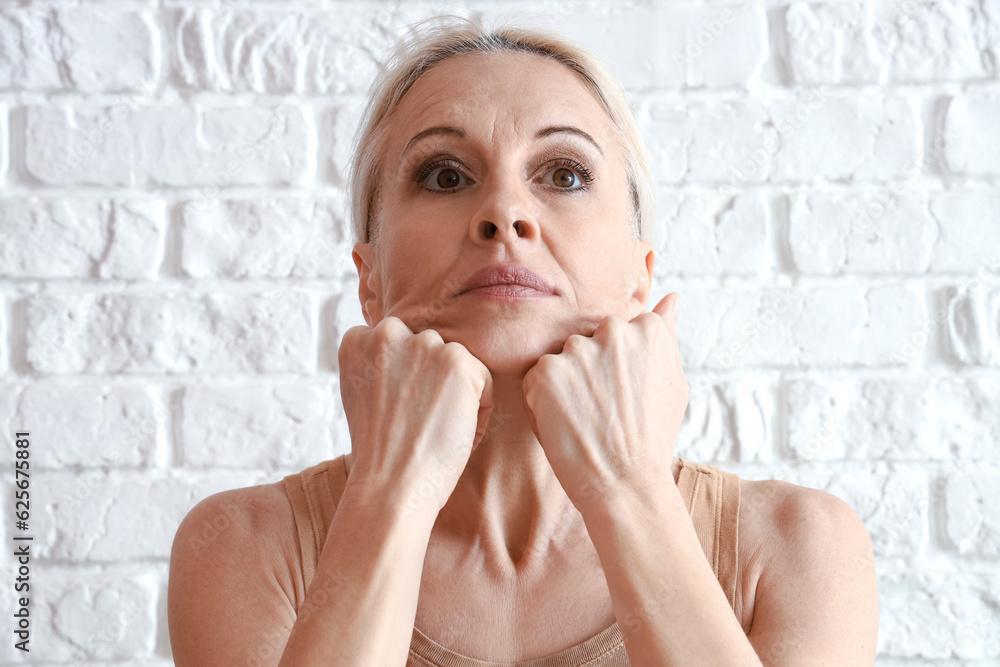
point(441, 177)
point(564, 178)
point(447, 178)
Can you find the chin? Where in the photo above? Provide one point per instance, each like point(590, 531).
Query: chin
point(506, 352)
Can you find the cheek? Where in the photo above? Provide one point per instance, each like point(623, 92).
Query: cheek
point(416, 271)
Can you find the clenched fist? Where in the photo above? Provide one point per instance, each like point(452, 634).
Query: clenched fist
point(416, 407)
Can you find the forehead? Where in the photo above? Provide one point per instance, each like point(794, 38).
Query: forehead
point(504, 92)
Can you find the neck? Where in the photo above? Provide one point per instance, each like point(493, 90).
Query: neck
point(508, 512)
point(508, 504)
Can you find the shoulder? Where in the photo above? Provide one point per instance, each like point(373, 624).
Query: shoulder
point(233, 574)
point(779, 521)
point(260, 515)
point(815, 575)
point(812, 520)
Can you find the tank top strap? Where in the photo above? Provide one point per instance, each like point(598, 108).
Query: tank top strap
point(712, 496)
point(314, 494)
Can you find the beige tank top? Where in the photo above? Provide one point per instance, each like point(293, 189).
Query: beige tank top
point(712, 497)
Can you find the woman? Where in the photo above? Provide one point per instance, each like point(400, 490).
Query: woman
point(512, 494)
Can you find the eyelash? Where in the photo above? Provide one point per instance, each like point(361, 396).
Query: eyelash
point(428, 168)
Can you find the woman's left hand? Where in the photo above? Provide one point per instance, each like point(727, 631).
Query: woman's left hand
point(608, 408)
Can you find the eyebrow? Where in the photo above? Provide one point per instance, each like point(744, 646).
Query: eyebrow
point(544, 132)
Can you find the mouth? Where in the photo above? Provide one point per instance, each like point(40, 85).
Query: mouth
point(507, 282)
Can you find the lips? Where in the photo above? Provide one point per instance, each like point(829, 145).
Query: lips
point(507, 275)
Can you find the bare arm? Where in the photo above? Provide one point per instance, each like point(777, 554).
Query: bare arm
point(414, 416)
point(669, 604)
point(231, 592)
point(361, 606)
point(816, 601)
point(230, 596)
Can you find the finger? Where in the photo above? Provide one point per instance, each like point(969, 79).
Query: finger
point(486, 398)
point(530, 415)
point(667, 309)
point(485, 407)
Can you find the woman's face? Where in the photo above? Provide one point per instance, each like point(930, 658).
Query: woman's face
point(479, 143)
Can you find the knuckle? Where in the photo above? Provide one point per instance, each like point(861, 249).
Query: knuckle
point(353, 335)
point(392, 326)
point(455, 353)
point(429, 336)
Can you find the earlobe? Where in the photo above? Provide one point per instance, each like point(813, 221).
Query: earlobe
point(369, 289)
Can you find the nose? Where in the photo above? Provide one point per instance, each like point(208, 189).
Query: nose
point(489, 230)
point(504, 214)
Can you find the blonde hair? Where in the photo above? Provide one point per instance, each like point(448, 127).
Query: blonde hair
point(439, 37)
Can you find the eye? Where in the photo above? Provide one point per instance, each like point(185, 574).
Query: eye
point(441, 175)
point(568, 175)
point(565, 178)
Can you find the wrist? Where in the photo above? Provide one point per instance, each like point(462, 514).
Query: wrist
point(389, 503)
point(620, 504)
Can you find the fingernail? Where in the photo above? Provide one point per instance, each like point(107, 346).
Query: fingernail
point(677, 306)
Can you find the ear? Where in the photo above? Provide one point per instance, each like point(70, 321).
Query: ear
point(643, 261)
point(369, 286)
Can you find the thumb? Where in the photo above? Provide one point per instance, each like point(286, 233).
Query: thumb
point(668, 308)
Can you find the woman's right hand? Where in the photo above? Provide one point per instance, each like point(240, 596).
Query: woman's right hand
point(416, 407)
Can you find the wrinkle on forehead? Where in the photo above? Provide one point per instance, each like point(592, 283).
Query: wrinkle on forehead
point(434, 100)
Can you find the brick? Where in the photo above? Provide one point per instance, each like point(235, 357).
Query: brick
point(829, 43)
point(726, 421)
point(973, 323)
point(932, 41)
point(4, 147)
point(171, 333)
point(4, 334)
point(321, 53)
point(109, 516)
point(970, 124)
point(170, 146)
point(939, 615)
point(711, 142)
point(704, 234)
point(257, 426)
point(80, 616)
point(871, 232)
point(89, 426)
point(63, 238)
point(856, 43)
point(79, 49)
point(972, 522)
point(943, 418)
point(344, 119)
point(970, 236)
point(674, 47)
point(8, 408)
point(309, 52)
point(893, 230)
point(846, 138)
point(266, 238)
point(860, 419)
point(968, 422)
point(824, 326)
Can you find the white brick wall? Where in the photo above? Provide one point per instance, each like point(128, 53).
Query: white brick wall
point(175, 274)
